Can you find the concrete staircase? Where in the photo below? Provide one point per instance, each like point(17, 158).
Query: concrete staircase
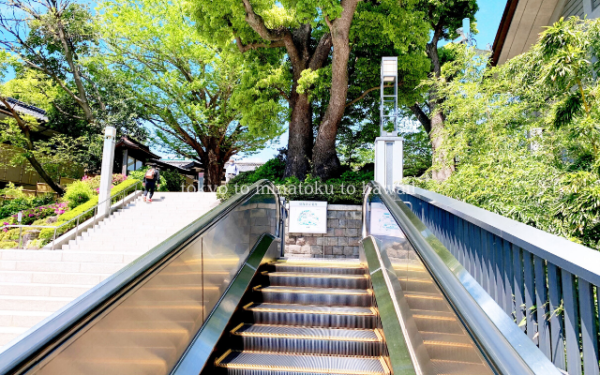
point(36, 283)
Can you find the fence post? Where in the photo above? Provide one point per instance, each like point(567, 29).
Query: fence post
point(54, 239)
point(77, 230)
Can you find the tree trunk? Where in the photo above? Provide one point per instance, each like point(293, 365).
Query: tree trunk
point(40, 170)
point(213, 177)
point(300, 136)
point(325, 160)
point(442, 168)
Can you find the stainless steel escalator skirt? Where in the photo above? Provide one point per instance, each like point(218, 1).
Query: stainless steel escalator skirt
point(443, 308)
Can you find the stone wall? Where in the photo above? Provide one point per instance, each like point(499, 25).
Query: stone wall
point(341, 240)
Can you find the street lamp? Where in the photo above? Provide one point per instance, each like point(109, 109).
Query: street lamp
point(388, 146)
point(389, 103)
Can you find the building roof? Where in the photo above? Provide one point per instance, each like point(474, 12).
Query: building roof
point(185, 164)
point(132, 144)
point(23, 108)
point(521, 25)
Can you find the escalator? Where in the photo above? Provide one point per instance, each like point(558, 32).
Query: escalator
point(312, 317)
point(218, 298)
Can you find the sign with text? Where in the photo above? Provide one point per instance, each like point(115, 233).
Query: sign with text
point(383, 223)
point(308, 217)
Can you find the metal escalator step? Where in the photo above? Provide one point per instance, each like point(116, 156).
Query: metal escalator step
point(317, 280)
point(288, 339)
point(256, 363)
point(316, 296)
point(420, 285)
point(332, 268)
point(313, 316)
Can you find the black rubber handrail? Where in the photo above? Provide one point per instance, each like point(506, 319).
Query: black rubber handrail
point(508, 349)
point(52, 332)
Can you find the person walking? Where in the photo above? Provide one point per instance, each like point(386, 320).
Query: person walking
point(151, 183)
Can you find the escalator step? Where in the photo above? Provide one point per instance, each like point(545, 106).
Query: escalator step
point(314, 316)
point(256, 363)
point(321, 267)
point(286, 339)
point(317, 280)
point(316, 296)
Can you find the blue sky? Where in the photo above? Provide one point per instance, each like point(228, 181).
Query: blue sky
point(488, 19)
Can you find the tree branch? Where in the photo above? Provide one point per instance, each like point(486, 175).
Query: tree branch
point(421, 116)
point(361, 97)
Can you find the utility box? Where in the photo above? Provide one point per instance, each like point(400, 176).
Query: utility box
point(388, 160)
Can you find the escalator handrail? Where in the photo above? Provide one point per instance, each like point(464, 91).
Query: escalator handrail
point(504, 343)
point(53, 331)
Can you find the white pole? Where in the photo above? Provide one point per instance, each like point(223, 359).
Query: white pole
point(108, 158)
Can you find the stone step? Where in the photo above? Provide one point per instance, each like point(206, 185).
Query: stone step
point(22, 319)
point(66, 256)
point(52, 277)
point(8, 334)
point(39, 289)
point(70, 267)
point(33, 303)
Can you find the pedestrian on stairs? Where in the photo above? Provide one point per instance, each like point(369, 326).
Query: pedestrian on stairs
point(151, 182)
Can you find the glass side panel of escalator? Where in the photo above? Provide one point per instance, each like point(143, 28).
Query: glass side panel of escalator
point(450, 348)
point(147, 330)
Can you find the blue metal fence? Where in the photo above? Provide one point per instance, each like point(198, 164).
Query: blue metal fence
point(548, 284)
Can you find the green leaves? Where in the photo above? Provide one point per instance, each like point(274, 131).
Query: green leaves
point(525, 136)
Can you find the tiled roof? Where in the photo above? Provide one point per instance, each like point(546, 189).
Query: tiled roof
point(24, 108)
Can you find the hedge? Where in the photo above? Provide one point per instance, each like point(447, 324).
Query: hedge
point(47, 233)
point(333, 193)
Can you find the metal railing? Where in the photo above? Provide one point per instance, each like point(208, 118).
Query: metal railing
point(135, 310)
point(95, 217)
point(547, 284)
point(506, 347)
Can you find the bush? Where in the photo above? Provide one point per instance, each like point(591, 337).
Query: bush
point(48, 233)
point(94, 182)
point(173, 180)
point(346, 189)
point(78, 193)
point(272, 170)
point(21, 201)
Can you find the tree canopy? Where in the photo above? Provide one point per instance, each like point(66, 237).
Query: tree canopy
point(204, 102)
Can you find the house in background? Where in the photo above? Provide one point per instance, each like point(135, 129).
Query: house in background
point(524, 20)
point(131, 155)
point(24, 175)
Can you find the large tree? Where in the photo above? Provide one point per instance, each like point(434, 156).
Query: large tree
point(444, 17)
point(56, 39)
point(204, 102)
point(316, 38)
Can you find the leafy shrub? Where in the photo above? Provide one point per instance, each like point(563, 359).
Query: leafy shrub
point(21, 201)
point(272, 170)
point(173, 180)
point(78, 193)
point(346, 189)
point(94, 182)
point(47, 233)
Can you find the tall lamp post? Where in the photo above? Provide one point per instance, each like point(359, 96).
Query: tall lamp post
point(108, 158)
point(388, 146)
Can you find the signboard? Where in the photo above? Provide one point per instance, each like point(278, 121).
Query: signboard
point(308, 217)
point(383, 223)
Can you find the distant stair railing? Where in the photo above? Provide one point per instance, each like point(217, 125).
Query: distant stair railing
point(547, 284)
point(120, 196)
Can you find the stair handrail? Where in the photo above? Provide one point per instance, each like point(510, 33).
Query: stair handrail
point(43, 339)
point(508, 349)
point(77, 218)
